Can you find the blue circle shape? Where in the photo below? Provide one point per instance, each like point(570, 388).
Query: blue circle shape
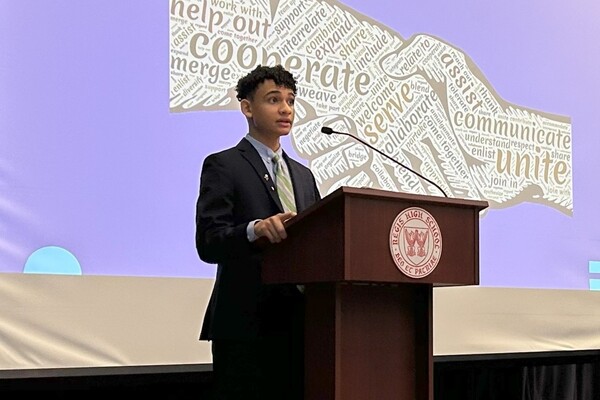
point(52, 260)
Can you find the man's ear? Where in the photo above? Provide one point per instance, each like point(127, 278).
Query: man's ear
point(246, 108)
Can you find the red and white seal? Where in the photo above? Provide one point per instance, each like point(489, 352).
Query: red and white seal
point(415, 242)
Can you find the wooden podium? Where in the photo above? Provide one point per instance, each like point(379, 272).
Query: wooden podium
point(369, 325)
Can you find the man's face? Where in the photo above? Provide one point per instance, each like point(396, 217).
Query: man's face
point(271, 110)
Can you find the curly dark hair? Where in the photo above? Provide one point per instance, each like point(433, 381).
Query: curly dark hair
point(247, 85)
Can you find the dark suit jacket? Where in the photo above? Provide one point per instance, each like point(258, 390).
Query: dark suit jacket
point(236, 188)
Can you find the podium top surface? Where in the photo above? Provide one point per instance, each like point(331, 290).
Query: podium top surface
point(391, 195)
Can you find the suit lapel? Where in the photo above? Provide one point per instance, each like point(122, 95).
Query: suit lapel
point(297, 182)
point(251, 155)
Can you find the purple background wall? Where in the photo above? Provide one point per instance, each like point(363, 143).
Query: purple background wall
point(93, 162)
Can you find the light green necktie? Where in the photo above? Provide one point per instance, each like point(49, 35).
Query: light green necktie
point(285, 190)
point(284, 184)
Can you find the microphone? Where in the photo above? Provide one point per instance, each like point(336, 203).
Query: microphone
point(328, 131)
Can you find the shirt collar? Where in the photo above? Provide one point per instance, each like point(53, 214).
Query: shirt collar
point(264, 151)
